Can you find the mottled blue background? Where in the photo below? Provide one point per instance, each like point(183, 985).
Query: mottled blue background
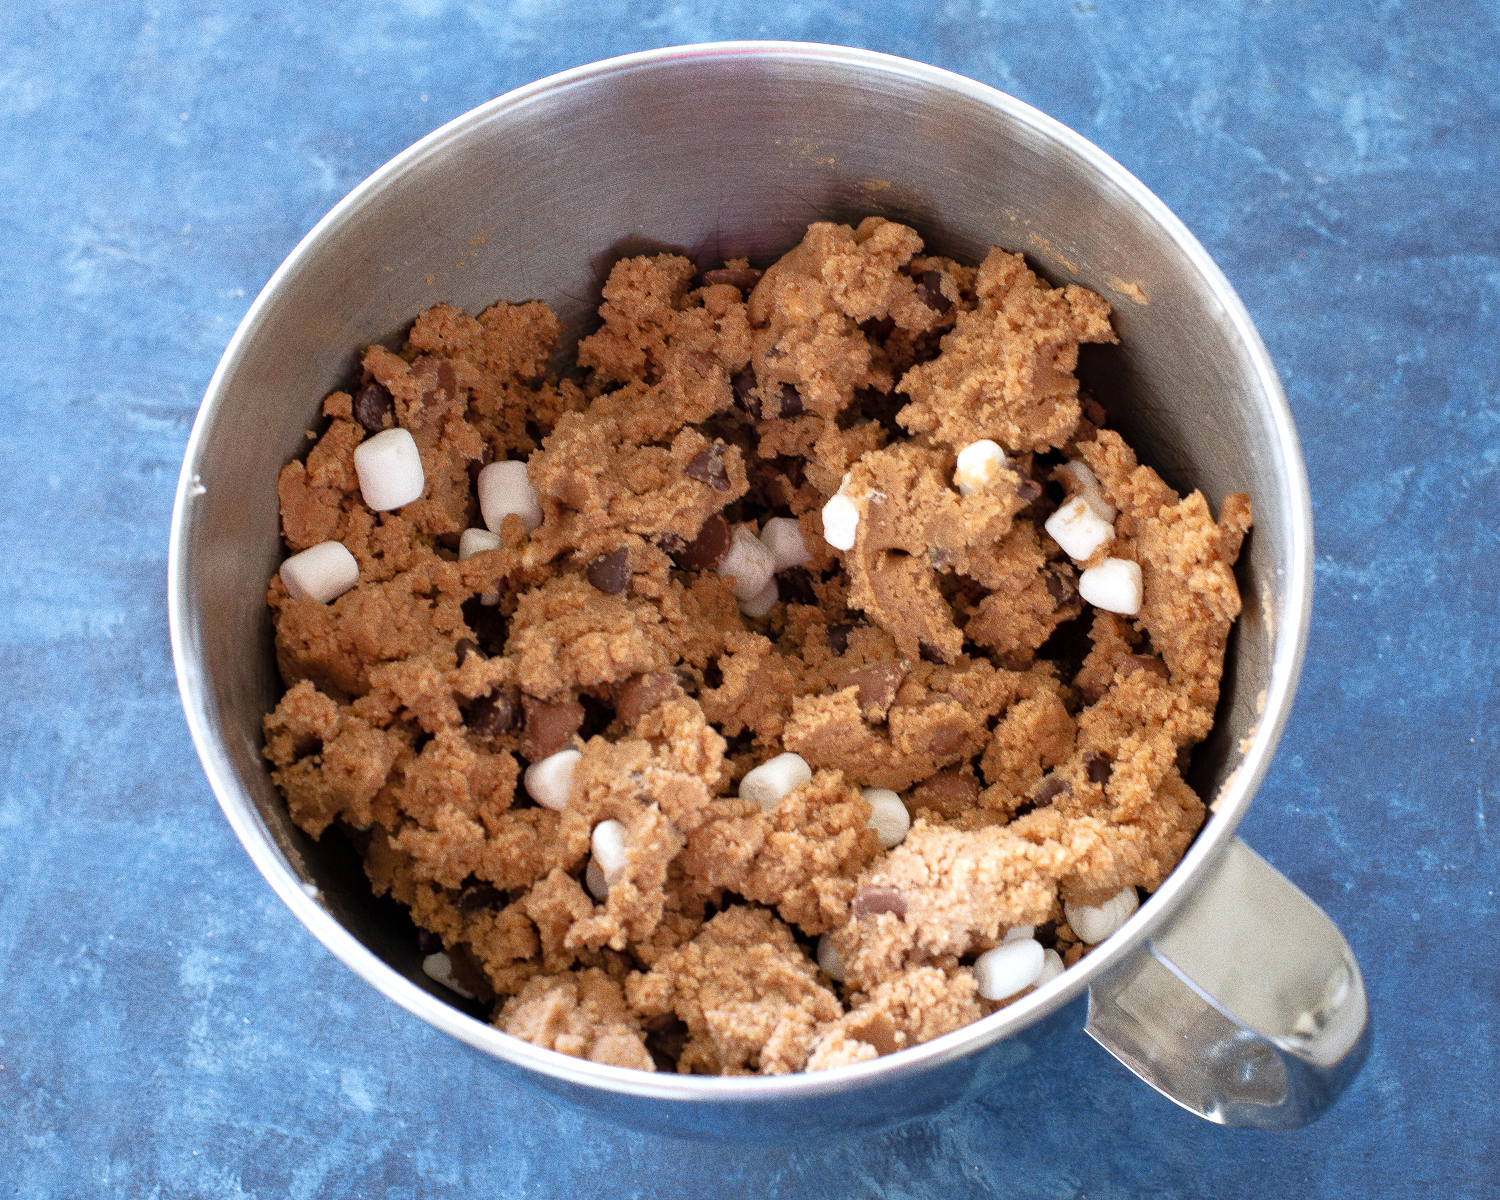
point(168, 1030)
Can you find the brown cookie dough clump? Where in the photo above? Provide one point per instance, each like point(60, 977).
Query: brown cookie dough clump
point(608, 729)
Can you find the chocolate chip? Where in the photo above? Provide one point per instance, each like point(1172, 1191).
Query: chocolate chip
point(1098, 766)
point(1149, 662)
point(1050, 789)
point(795, 586)
point(428, 942)
point(873, 899)
point(791, 401)
point(930, 291)
point(480, 895)
point(466, 647)
point(439, 383)
point(1028, 490)
point(744, 278)
point(638, 695)
point(948, 792)
point(702, 362)
point(491, 715)
point(944, 740)
point(838, 637)
point(372, 406)
point(550, 726)
point(877, 686)
point(707, 550)
point(610, 572)
point(930, 653)
point(1060, 588)
point(708, 467)
point(744, 392)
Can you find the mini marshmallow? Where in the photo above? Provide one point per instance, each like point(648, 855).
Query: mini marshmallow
point(889, 820)
point(593, 879)
point(840, 519)
point(1019, 933)
point(608, 841)
point(979, 466)
point(439, 967)
point(1114, 585)
point(774, 778)
point(477, 541)
point(828, 959)
point(749, 561)
point(763, 601)
point(783, 538)
point(324, 572)
point(550, 781)
point(505, 489)
point(1088, 488)
point(1008, 968)
point(1052, 967)
point(389, 470)
point(1093, 923)
point(1078, 529)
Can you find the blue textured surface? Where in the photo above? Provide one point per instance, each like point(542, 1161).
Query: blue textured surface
point(168, 1030)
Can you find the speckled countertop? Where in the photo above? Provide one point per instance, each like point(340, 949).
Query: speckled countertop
point(167, 1029)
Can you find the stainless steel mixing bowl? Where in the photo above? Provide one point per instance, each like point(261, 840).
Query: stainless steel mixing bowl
point(1228, 990)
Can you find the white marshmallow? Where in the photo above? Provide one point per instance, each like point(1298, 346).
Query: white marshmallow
point(829, 960)
point(389, 470)
point(1078, 529)
point(476, 541)
point(840, 522)
point(608, 841)
point(324, 572)
point(1052, 967)
point(593, 879)
point(1114, 585)
point(1088, 488)
point(505, 489)
point(749, 561)
point(1018, 933)
point(889, 820)
point(774, 778)
point(550, 782)
point(979, 466)
point(783, 538)
point(439, 967)
point(763, 601)
point(1094, 923)
point(1008, 968)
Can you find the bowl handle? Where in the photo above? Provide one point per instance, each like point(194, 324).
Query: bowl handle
point(1246, 1008)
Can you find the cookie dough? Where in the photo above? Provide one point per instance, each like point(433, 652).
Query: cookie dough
point(800, 513)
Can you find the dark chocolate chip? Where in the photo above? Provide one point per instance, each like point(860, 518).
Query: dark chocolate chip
point(638, 695)
point(480, 895)
point(439, 383)
point(744, 278)
point(550, 726)
point(610, 572)
point(466, 647)
point(1149, 662)
point(491, 715)
point(1098, 766)
point(930, 291)
point(707, 550)
point(373, 406)
point(744, 392)
point(708, 467)
point(791, 401)
point(428, 942)
point(877, 686)
point(795, 586)
point(948, 792)
point(1028, 490)
point(1060, 588)
point(702, 362)
point(1050, 789)
point(838, 637)
point(930, 653)
point(873, 899)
